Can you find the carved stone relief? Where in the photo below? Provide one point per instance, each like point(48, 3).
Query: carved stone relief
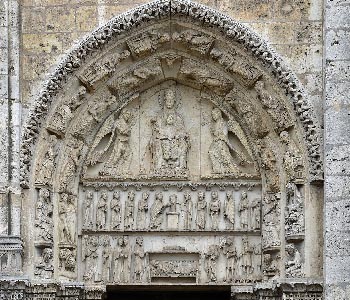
point(43, 218)
point(271, 221)
point(171, 208)
point(171, 167)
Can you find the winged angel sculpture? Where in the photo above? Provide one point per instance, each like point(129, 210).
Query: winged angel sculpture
point(116, 155)
point(225, 158)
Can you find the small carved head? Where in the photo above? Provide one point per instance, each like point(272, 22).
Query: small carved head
point(116, 195)
point(201, 195)
point(159, 196)
point(126, 114)
point(145, 195)
point(229, 241)
point(214, 195)
point(187, 196)
point(47, 255)
point(89, 195)
point(120, 241)
point(104, 195)
point(290, 249)
point(131, 195)
point(216, 114)
point(267, 258)
point(284, 135)
point(244, 195)
point(139, 240)
point(126, 240)
point(173, 199)
point(81, 91)
point(44, 194)
point(259, 86)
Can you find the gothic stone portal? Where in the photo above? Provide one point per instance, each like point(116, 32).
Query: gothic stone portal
point(172, 156)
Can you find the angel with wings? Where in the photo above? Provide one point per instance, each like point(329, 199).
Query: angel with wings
point(117, 152)
point(221, 151)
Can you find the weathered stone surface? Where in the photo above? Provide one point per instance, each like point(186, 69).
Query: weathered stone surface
point(242, 125)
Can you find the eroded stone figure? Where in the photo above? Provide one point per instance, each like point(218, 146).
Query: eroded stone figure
point(231, 254)
point(43, 216)
point(278, 113)
point(67, 218)
point(157, 212)
point(294, 214)
point(201, 211)
point(90, 256)
point(244, 211)
point(247, 261)
point(294, 266)
point(269, 266)
point(118, 162)
point(89, 210)
point(72, 156)
point(44, 267)
point(139, 260)
point(255, 214)
point(45, 172)
point(268, 164)
point(271, 221)
point(65, 112)
point(214, 210)
point(170, 142)
point(116, 211)
point(106, 259)
point(67, 262)
point(117, 259)
point(129, 211)
point(229, 211)
point(101, 211)
point(142, 210)
point(125, 260)
point(187, 211)
point(292, 158)
point(212, 257)
point(221, 151)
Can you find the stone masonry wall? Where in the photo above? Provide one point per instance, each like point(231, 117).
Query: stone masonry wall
point(337, 149)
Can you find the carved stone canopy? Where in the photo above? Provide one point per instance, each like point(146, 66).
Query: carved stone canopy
point(172, 145)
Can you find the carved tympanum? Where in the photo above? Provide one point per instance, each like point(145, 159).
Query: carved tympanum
point(175, 155)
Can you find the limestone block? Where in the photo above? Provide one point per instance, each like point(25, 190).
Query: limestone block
point(337, 160)
point(242, 10)
point(38, 43)
point(60, 19)
point(33, 19)
point(86, 18)
point(337, 187)
point(337, 70)
point(308, 32)
point(307, 58)
point(337, 44)
point(337, 122)
point(337, 94)
point(338, 269)
point(3, 61)
point(339, 17)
